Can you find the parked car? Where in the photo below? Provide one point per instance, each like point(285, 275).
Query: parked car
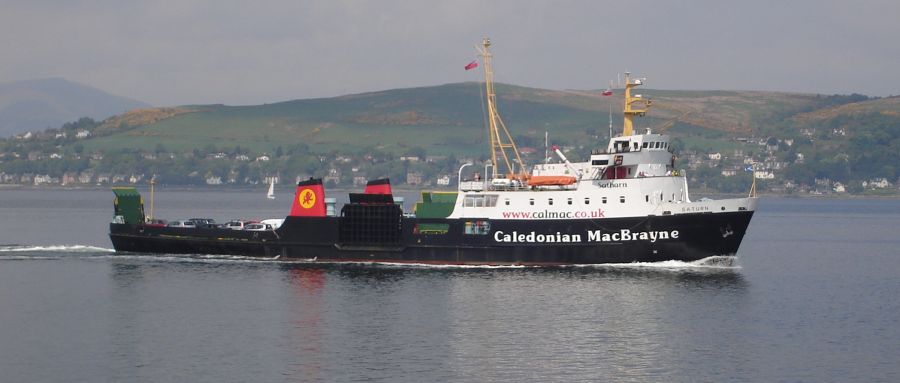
point(257, 227)
point(274, 222)
point(156, 223)
point(203, 222)
point(187, 224)
point(236, 224)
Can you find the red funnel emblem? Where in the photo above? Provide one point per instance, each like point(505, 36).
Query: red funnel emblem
point(309, 200)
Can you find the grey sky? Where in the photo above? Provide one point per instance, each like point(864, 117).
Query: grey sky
point(239, 52)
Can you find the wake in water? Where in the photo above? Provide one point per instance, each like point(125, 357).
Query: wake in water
point(61, 251)
point(13, 252)
point(709, 263)
point(717, 262)
point(53, 249)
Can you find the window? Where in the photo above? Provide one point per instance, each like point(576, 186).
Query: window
point(569, 201)
point(635, 146)
point(647, 197)
point(550, 201)
point(603, 200)
point(622, 199)
point(657, 145)
point(506, 201)
point(431, 228)
point(531, 201)
point(599, 162)
point(587, 201)
point(476, 200)
point(645, 145)
point(478, 227)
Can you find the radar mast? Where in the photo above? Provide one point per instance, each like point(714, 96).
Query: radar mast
point(630, 112)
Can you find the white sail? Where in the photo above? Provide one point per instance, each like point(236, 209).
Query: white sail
point(271, 194)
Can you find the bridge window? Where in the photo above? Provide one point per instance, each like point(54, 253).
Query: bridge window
point(599, 162)
point(645, 145)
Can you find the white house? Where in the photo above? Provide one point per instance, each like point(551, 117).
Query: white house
point(764, 175)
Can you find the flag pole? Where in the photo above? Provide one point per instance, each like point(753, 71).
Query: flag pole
point(753, 184)
point(610, 120)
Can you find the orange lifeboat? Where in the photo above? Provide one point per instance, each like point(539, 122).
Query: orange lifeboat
point(551, 180)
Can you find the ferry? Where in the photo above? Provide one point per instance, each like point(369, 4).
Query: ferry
point(627, 202)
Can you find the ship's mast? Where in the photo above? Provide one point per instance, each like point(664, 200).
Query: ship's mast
point(630, 112)
point(499, 142)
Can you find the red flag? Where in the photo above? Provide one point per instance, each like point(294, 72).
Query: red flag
point(607, 92)
point(472, 65)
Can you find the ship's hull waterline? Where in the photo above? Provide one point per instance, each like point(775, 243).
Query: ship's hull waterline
point(683, 237)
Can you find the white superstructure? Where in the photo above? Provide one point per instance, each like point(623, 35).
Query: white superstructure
point(634, 177)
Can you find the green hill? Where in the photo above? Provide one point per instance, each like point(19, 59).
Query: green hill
point(440, 119)
point(806, 141)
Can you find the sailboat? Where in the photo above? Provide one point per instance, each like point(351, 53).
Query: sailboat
point(271, 193)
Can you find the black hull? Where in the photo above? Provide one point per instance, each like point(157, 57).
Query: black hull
point(684, 237)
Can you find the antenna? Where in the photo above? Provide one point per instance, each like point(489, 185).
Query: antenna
point(546, 147)
point(610, 109)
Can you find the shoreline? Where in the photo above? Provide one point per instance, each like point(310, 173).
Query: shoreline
point(695, 194)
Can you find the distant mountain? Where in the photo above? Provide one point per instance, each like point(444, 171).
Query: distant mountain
point(34, 105)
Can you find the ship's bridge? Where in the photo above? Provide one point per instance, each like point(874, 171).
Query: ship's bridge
point(636, 156)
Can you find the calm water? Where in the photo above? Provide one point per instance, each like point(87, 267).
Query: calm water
point(813, 298)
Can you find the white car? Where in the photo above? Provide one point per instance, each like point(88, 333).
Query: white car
point(257, 227)
point(236, 224)
point(274, 222)
point(187, 223)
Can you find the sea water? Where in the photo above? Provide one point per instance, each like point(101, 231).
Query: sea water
point(812, 296)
